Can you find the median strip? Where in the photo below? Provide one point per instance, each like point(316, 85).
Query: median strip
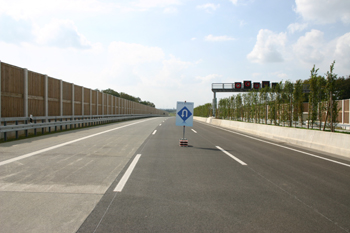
point(238, 160)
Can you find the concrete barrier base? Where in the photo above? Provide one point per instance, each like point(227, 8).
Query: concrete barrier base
point(335, 143)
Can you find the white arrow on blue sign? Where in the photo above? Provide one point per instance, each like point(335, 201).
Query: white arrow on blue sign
point(184, 114)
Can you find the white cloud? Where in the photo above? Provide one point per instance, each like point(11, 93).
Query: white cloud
point(171, 73)
point(193, 38)
point(136, 64)
point(311, 47)
point(208, 78)
point(342, 50)
point(130, 53)
point(15, 31)
point(218, 38)
point(208, 7)
point(269, 47)
point(279, 74)
point(126, 63)
point(296, 27)
point(62, 34)
point(254, 75)
point(241, 2)
point(170, 10)
point(148, 4)
point(57, 33)
point(23, 9)
point(324, 11)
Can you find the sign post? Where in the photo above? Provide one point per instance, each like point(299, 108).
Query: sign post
point(184, 117)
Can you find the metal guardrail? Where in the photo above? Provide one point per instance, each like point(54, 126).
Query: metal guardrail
point(11, 124)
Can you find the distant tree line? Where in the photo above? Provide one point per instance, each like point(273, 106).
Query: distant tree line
point(128, 97)
point(283, 104)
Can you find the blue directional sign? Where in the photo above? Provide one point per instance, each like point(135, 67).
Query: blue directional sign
point(184, 114)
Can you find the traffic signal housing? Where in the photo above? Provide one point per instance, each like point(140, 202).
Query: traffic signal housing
point(247, 85)
point(238, 85)
point(256, 86)
point(265, 84)
point(274, 85)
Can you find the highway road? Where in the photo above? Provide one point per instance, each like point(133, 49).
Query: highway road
point(133, 177)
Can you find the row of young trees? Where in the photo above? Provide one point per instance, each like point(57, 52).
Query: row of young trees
point(283, 105)
point(128, 97)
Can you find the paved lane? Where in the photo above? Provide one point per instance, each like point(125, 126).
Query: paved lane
point(64, 176)
point(203, 189)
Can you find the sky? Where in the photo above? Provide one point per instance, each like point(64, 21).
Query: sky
point(165, 51)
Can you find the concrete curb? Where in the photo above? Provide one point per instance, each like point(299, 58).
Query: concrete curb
point(335, 143)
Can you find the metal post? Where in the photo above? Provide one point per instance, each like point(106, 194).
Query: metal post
point(331, 111)
point(25, 95)
point(112, 107)
point(107, 104)
point(82, 102)
point(61, 98)
point(0, 97)
point(103, 102)
point(118, 105)
point(16, 131)
point(46, 99)
point(72, 105)
point(183, 135)
point(96, 102)
point(214, 104)
point(342, 111)
point(90, 103)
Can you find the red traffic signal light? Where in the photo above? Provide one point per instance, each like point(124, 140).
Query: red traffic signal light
point(256, 86)
point(238, 85)
point(265, 84)
point(247, 84)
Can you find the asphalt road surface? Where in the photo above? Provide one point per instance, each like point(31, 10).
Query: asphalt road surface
point(134, 177)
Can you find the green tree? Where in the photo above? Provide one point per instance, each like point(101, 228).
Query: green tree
point(343, 86)
point(332, 109)
point(255, 105)
point(264, 100)
point(272, 107)
point(246, 107)
point(239, 107)
point(111, 92)
point(288, 91)
point(203, 110)
point(298, 101)
point(223, 110)
point(313, 96)
point(322, 97)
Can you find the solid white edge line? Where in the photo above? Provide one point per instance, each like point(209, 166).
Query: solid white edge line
point(63, 144)
point(285, 147)
point(154, 132)
point(235, 158)
point(127, 174)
